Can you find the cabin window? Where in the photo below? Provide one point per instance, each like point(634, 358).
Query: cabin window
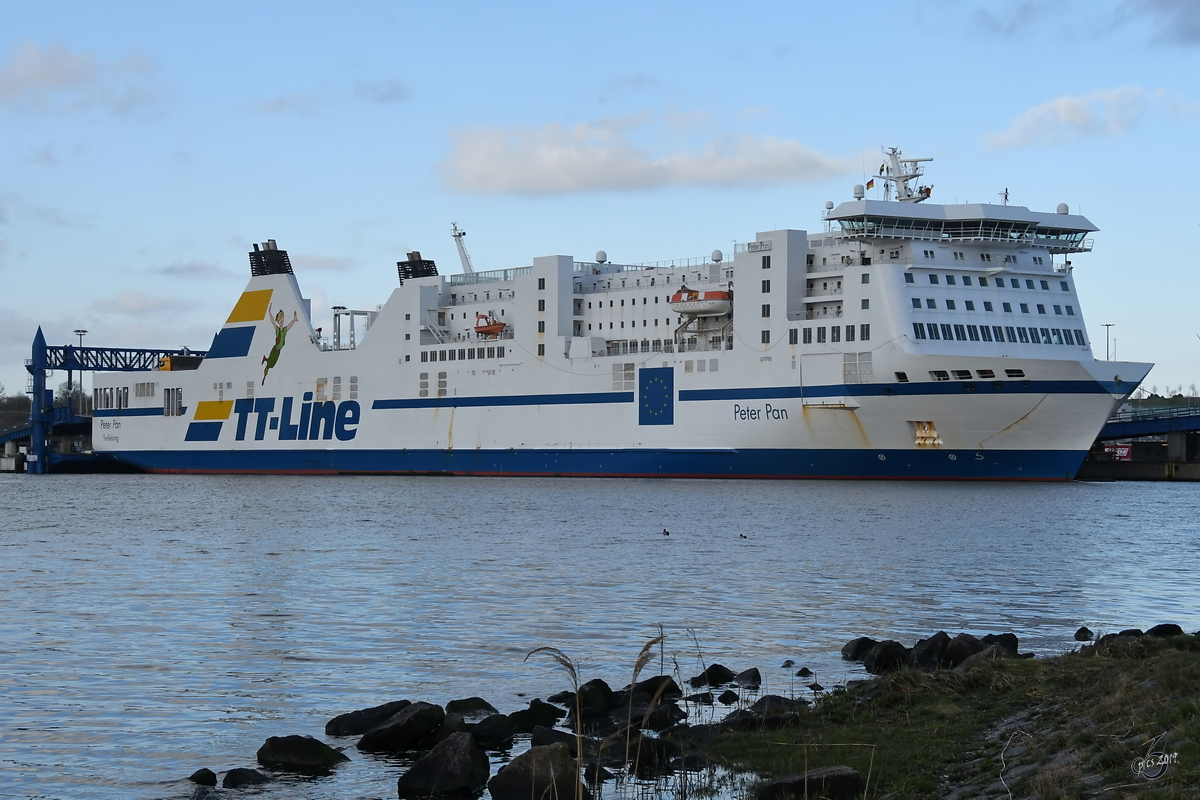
point(1067, 336)
point(821, 335)
point(970, 304)
point(1012, 333)
point(1024, 308)
point(766, 337)
point(1041, 308)
point(766, 262)
point(947, 332)
point(966, 280)
point(998, 332)
point(1070, 311)
point(918, 330)
point(866, 304)
point(793, 336)
point(1058, 310)
point(866, 277)
point(930, 302)
point(766, 287)
point(916, 302)
point(1079, 338)
point(950, 305)
point(939, 375)
point(962, 374)
point(766, 310)
point(849, 333)
point(541, 349)
point(864, 332)
point(542, 305)
point(908, 277)
point(902, 377)
point(1064, 286)
point(808, 335)
point(542, 326)
point(949, 280)
point(1015, 373)
point(541, 283)
point(987, 305)
point(932, 329)
point(1045, 286)
point(983, 282)
point(1007, 307)
point(985, 332)
point(973, 333)
point(933, 278)
point(1023, 335)
point(960, 333)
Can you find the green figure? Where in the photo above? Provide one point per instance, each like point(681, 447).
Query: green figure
point(280, 339)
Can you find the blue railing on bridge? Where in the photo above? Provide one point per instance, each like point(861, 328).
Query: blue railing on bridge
point(1152, 421)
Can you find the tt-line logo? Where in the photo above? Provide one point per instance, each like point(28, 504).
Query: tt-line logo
point(321, 420)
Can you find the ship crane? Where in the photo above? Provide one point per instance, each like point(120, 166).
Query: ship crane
point(462, 249)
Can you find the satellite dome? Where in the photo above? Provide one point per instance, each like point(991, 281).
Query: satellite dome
point(829, 205)
point(717, 256)
point(1062, 209)
point(601, 256)
point(859, 191)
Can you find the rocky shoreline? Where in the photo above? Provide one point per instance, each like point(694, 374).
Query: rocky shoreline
point(591, 734)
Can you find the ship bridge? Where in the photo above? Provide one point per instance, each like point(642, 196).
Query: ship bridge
point(1060, 232)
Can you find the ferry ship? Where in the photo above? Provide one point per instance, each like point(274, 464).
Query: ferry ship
point(905, 339)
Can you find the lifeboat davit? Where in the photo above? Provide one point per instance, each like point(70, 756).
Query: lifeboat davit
point(692, 303)
point(488, 325)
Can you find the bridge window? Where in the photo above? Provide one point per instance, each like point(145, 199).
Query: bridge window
point(1014, 283)
point(1067, 336)
point(1079, 340)
point(1028, 283)
point(946, 332)
point(932, 329)
point(973, 333)
point(986, 333)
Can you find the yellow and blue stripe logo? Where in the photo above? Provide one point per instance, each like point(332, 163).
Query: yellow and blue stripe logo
point(210, 416)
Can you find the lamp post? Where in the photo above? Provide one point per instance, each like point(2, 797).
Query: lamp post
point(80, 332)
point(1107, 330)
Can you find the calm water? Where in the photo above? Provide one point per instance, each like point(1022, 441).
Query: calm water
point(153, 625)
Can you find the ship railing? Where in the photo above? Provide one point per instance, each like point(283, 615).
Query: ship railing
point(822, 292)
point(489, 276)
point(814, 314)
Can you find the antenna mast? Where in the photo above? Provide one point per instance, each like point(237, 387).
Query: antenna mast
point(900, 171)
point(462, 249)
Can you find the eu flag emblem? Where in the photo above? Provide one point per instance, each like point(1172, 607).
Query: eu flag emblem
point(656, 396)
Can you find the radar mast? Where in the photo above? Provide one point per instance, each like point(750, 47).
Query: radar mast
point(900, 171)
point(462, 249)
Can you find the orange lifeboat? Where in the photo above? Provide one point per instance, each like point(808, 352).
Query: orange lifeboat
point(701, 304)
point(488, 325)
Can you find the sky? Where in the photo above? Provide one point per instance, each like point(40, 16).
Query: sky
point(145, 146)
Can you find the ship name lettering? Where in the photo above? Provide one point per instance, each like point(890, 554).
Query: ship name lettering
point(768, 412)
point(319, 420)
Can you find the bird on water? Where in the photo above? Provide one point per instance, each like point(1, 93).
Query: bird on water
point(666, 532)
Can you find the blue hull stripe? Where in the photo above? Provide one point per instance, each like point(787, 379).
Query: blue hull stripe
point(509, 400)
point(1009, 386)
point(231, 342)
point(203, 431)
point(128, 412)
point(935, 464)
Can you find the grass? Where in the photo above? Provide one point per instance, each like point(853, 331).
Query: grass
point(1059, 727)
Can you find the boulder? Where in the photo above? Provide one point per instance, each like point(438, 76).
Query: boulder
point(597, 695)
point(748, 679)
point(1084, 634)
point(494, 732)
point(715, 675)
point(804, 672)
point(661, 686)
point(538, 713)
point(456, 767)
point(959, 649)
point(299, 754)
point(1165, 629)
point(728, 697)
point(927, 653)
point(836, 783)
point(564, 698)
point(989, 653)
point(453, 723)
point(356, 723)
point(649, 756)
point(777, 704)
point(1130, 632)
point(471, 708)
point(855, 649)
point(204, 776)
point(746, 720)
point(703, 698)
point(241, 776)
point(403, 730)
point(1006, 640)
point(543, 736)
point(885, 657)
point(657, 717)
point(540, 773)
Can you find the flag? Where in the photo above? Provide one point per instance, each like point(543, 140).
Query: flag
point(871, 184)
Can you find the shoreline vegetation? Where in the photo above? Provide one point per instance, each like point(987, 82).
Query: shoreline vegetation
point(951, 717)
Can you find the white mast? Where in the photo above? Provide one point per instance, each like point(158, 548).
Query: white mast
point(900, 171)
point(462, 250)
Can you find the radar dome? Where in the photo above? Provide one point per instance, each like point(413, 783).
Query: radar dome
point(717, 256)
point(829, 205)
point(601, 256)
point(1062, 209)
point(859, 191)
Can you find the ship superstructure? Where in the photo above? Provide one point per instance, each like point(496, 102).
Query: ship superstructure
point(905, 340)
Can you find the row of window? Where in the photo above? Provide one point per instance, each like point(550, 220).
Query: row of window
point(172, 402)
point(967, 280)
point(462, 354)
point(110, 397)
point(148, 389)
point(984, 257)
point(969, 305)
point(963, 374)
point(632, 324)
point(834, 334)
point(984, 333)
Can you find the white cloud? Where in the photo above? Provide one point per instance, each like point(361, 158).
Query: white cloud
point(327, 263)
point(389, 91)
point(1104, 113)
point(46, 215)
point(600, 156)
point(142, 303)
point(197, 270)
point(1178, 21)
point(54, 78)
point(291, 104)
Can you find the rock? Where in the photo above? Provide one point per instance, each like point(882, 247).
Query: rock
point(1006, 640)
point(661, 686)
point(989, 653)
point(748, 679)
point(403, 730)
point(959, 649)
point(746, 720)
point(855, 649)
point(804, 672)
point(659, 717)
point(836, 783)
point(470, 708)
point(455, 767)
point(787, 664)
point(494, 732)
point(885, 657)
point(540, 773)
point(564, 698)
point(1165, 629)
point(1130, 632)
point(299, 754)
point(1084, 634)
point(453, 723)
point(237, 778)
point(703, 698)
point(597, 695)
point(728, 697)
point(356, 723)
point(650, 756)
point(714, 675)
point(594, 773)
point(204, 776)
point(538, 713)
point(927, 653)
point(776, 704)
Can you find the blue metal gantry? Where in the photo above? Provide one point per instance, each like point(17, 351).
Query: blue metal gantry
point(43, 416)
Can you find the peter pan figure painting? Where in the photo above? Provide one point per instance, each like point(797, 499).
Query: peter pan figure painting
point(280, 339)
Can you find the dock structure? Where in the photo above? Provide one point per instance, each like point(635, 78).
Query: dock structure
point(47, 422)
